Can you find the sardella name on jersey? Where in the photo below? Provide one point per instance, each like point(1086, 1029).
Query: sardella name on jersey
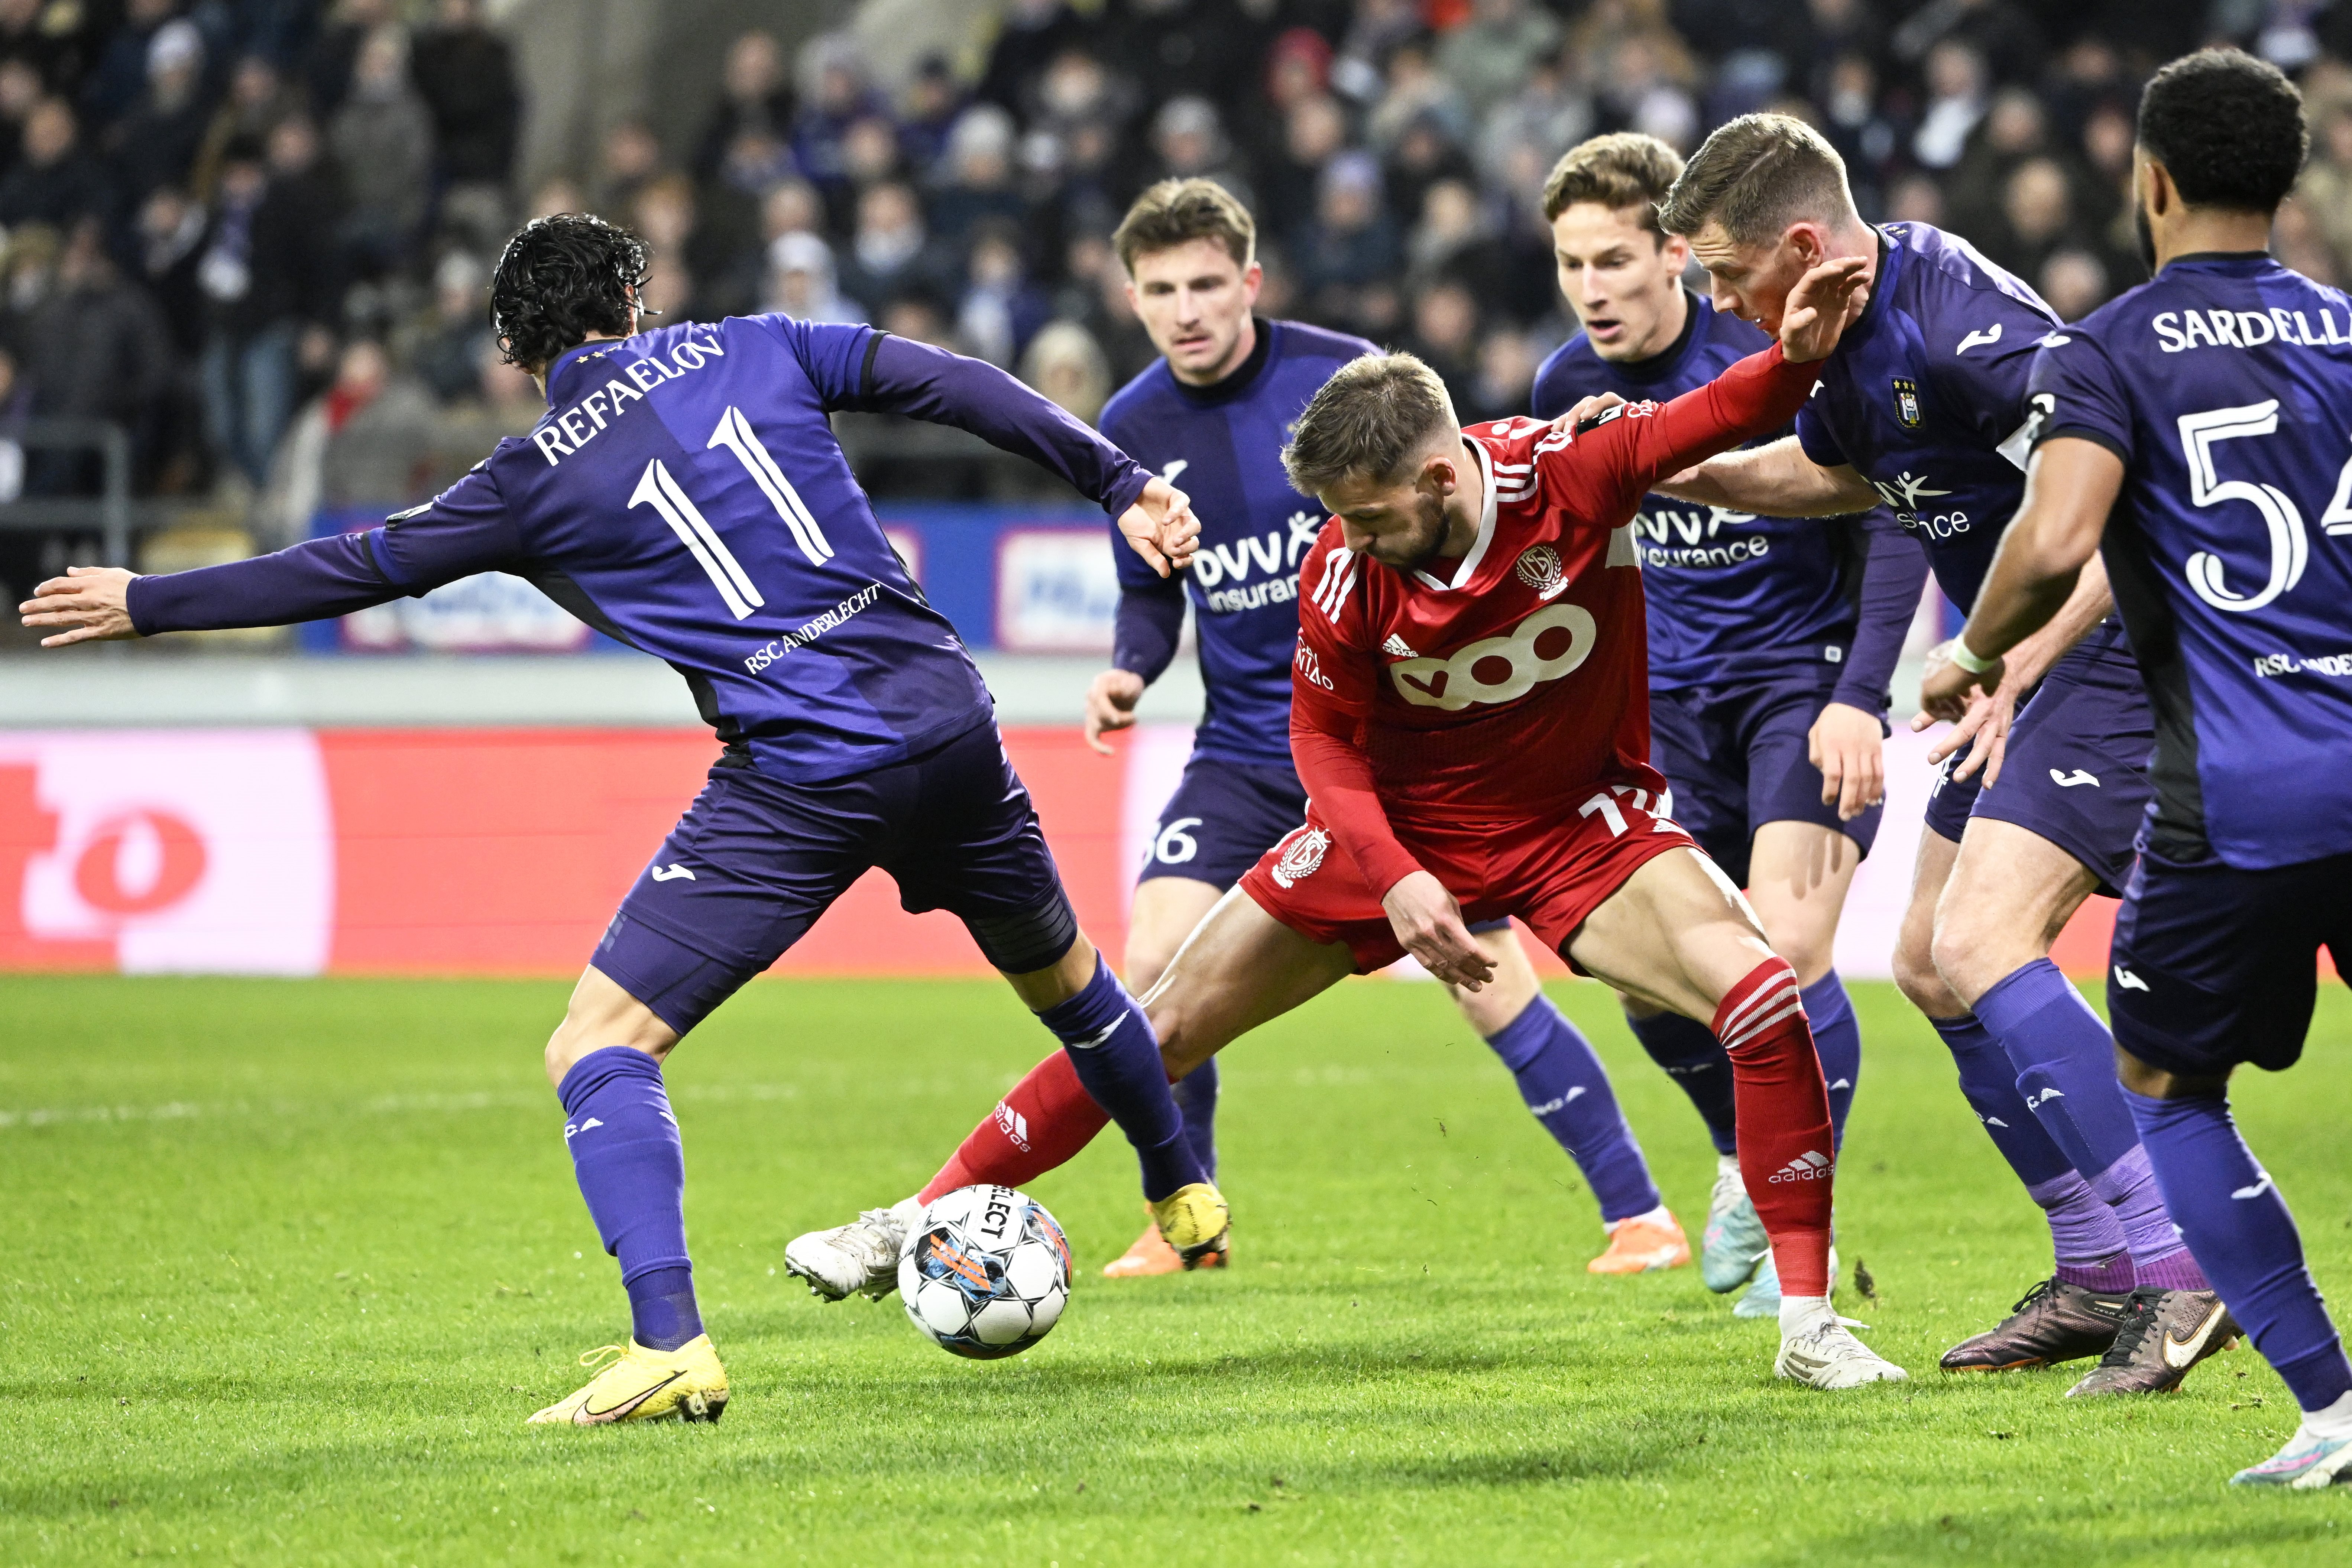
point(2182, 330)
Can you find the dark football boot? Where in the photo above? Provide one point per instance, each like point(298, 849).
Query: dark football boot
point(2056, 1322)
point(2164, 1333)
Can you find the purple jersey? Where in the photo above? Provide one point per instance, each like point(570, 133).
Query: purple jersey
point(1733, 596)
point(684, 494)
point(1925, 397)
point(2225, 386)
point(1222, 445)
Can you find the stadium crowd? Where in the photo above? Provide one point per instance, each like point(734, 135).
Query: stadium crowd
point(256, 233)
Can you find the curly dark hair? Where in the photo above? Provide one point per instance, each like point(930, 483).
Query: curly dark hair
point(2228, 128)
point(560, 278)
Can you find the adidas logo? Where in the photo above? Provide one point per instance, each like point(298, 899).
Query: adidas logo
point(1811, 1165)
point(1399, 646)
point(1016, 1125)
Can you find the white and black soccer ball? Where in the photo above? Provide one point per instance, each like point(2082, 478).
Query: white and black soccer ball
point(985, 1272)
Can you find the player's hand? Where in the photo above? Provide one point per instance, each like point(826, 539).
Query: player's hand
point(1946, 689)
point(93, 601)
point(1984, 729)
point(1846, 744)
point(1429, 924)
point(1110, 704)
point(1586, 408)
point(1821, 305)
point(1160, 527)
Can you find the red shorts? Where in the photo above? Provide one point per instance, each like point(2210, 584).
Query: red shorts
point(1551, 872)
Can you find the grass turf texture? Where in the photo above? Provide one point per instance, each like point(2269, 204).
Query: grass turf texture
point(287, 1263)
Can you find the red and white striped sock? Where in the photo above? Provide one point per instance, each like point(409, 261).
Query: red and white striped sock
point(1786, 1155)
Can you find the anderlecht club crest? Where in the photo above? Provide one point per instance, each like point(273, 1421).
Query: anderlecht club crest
point(1906, 402)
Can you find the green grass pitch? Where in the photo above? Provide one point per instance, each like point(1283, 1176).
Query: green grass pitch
point(283, 1266)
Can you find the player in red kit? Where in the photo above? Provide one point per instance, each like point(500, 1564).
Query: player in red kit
point(1470, 717)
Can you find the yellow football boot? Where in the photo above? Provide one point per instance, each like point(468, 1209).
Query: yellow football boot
point(1194, 1220)
point(683, 1384)
point(1152, 1255)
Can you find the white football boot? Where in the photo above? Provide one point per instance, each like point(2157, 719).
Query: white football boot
point(860, 1257)
point(1827, 1355)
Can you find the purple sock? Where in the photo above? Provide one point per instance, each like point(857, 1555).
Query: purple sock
point(1196, 1097)
point(1116, 1059)
point(1695, 1060)
point(1567, 1090)
point(631, 1166)
point(2065, 1062)
point(2234, 1219)
point(2083, 1233)
point(1837, 1037)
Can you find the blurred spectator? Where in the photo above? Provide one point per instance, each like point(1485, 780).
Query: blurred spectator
point(258, 97)
point(1415, 92)
point(1066, 366)
point(1031, 36)
point(382, 140)
point(842, 98)
point(501, 402)
point(1419, 158)
point(1855, 123)
point(120, 78)
point(630, 157)
point(1177, 48)
point(171, 250)
point(1489, 55)
point(890, 253)
point(1994, 31)
point(447, 356)
point(20, 92)
point(97, 347)
point(368, 440)
point(333, 56)
point(268, 272)
point(801, 281)
point(1001, 309)
point(465, 75)
point(1444, 333)
point(1315, 133)
point(756, 96)
point(979, 176)
point(2073, 282)
point(55, 182)
point(1453, 239)
point(2324, 195)
point(157, 141)
point(56, 42)
point(791, 206)
point(1352, 244)
point(1187, 140)
point(934, 98)
point(1956, 101)
point(1916, 199)
point(2037, 217)
point(1507, 361)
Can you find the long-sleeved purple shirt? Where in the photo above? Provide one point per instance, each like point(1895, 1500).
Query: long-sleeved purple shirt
point(684, 494)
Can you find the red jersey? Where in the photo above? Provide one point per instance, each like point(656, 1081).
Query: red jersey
point(1510, 685)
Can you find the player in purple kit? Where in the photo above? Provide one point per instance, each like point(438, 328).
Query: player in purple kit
point(1923, 406)
point(1772, 642)
point(685, 493)
point(2185, 431)
point(1215, 413)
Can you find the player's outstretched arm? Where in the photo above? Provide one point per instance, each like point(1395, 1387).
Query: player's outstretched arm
point(2046, 588)
point(923, 382)
point(309, 581)
point(1775, 480)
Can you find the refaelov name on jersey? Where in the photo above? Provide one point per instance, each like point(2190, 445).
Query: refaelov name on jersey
point(2179, 329)
point(557, 438)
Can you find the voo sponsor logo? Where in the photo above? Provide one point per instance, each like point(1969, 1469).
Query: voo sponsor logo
point(1500, 669)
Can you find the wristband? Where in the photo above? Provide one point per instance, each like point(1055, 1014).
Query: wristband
point(1967, 661)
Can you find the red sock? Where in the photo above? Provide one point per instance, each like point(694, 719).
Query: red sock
point(1786, 1156)
point(1046, 1120)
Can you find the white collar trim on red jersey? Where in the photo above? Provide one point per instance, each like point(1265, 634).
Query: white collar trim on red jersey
point(1469, 566)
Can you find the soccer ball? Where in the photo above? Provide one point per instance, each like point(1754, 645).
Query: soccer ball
point(985, 1272)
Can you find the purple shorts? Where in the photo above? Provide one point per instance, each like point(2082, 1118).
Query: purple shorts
point(1221, 818)
point(2214, 966)
point(756, 860)
point(2075, 769)
point(1737, 756)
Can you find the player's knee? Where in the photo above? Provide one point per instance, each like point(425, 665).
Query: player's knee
point(1809, 952)
point(1917, 977)
point(1973, 949)
point(1492, 1010)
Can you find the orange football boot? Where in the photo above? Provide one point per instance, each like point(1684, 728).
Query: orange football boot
point(1639, 1245)
point(1152, 1255)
